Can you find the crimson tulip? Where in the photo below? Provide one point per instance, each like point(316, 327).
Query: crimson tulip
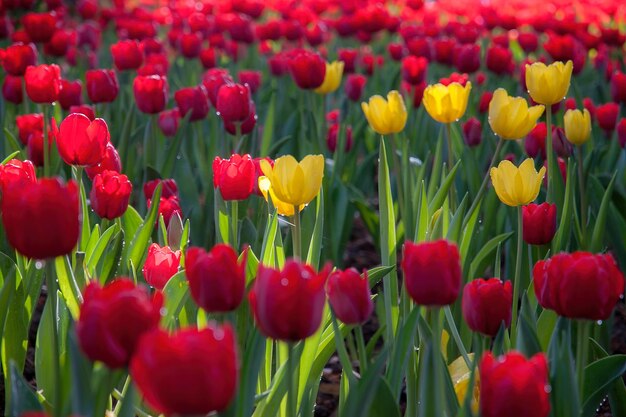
point(355, 83)
point(485, 99)
point(432, 272)
point(288, 303)
point(486, 305)
point(12, 89)
point(414, 69)
point(250, 78)
point(168, 121)
point(168, 207)
point(467, 58)
point(189, 45)
point(332, 138)
point(208, 58)
point(169, 188)
point(396, 51)
point(529, 41)
point(70, 94)
point(307, 69)
point(81, 141)
point(500, 60)
point(539, 223)
point(60, 43)
point(203, 362)
point(514, 386)
point(349, 57)
point(472, 132)
point(110, 194)
point(110, 162)
point(217, 280)
point(246, 126)
point(192, 100)
point(212, 80)
point(234, 177)
point(150, 93)
point(85, 109)
point(349, 296)
point(39, 26)
point(161, 264)
point(607, 115)
point(580, 285)
point(127, 55)
point(41, 219)
point(113, 318)
point(16, 172)
point(102, 85)
point(618, 87)
point(233, 102)
point(43, 83)
point(28, 124)
point(18, 57)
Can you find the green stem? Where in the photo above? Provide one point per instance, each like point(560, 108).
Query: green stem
point(296, 231)
point(77, 171)
point(583, 197)
point(292, 392)
point(450, 163)
point(483, 185)
point(436, 357)
point(552, 170)
point(340, 343)
point(582, 351)
point(122, 397)
point(51, 284)
point(234, 218)
point(518, 272)
point(362, 349)
point(46, 142)
point(456, 336)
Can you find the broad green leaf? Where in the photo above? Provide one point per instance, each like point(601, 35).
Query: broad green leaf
point(600, 226)
point(484, 252)
point(315, 247)
point(599, 377)
point(21, 397)
point(139, 244)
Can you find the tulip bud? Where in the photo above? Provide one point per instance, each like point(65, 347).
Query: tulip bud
point(349, 296)
point(579, 285)
point(81, 141)
point(355, 83)
point(113, 318)
point(110, 194)
point(110, 162)
point(529, 41)
point(169, 188)
point(41, 219)
point(486, 305)
point(217, 280)
point(499, 60)
point(189, 45)
point(467, 58)
point(432, 272)
point(539, 223)
point(43, 83)
point(28, 124)
point(396, 51)
point(161, 264)
point(332, 139)
point(472, 132)
point(485, 99)
point(194, 100)
point(514, 386)
point(150, 93)
point(188, 355)
point(168, 206)
point(102, 85)
point(40, 26)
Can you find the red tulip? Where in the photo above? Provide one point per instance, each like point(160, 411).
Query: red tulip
point(28, 124)
point(535, 143)
point(420, 47)
point(455, 78)
point(36, 141)
point(203, 362)
point(349, 296)
point(110, 194)
point(486, 305)
point(208, 58)
point(432, 272)
point(514, 386)
point(60, 43)
point(189, 45)
point(500, 60)
point(234, 177)
point(570, 104)
point(539, 223)
point(607, 115)
point(467, 58)
point(332, 139)
point(70, 94)
point(349, 57)
point(110, 162)
point(246, 126)
point(113, 318)
point(39, 26)
point(168, 207)
point(43, 83)
point(233, 102)
point(169, 188)
point(396, 51)
point(278, 64)
point(590, 106)
point(161, 264)
point(307, 69)
point(16, 172)
point(217, 280)
point(416, 93)
point(168, 121)
point(81, 141)
point(414, 69)
point(18, 57)
point(288, 304)
point(85, 109)
point(485, 99)
point(102, 86)
point(529, 41)
point(12, 89)
point(472, 132)
point(150, 93)
point(250, 78)
point(444, 49)
point(355, 83)
point(213, 80)
point(127, 55)
point(194, 100)
point(87, 9)
point(580, 285)
point(41, 218)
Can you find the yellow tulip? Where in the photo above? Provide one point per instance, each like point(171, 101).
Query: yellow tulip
point(548, 84)
point(517, 186)
point(510, 117)
point(460, 376)
point(577, 126)
point(294, 182)
point(386, 116)
point(446, 104)
point(283, 208)
point(332, 79)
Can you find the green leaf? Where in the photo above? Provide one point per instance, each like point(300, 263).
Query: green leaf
point(361, 397)
point(8, 158)
point(421, 227)
point(140, 242)
point(564, 395)
point(82, 399)
point(444, 188)
point(402, 347)
point(455, 230)
point(600, 227)
point(599, 377)
point(315, 247)
point(174, 149)
point(563, 233)
point(93, 254)
point(268, 129)
point(384, 404)
point(377, 273)
point(67, 284)
point(545, 327)
point(112, 259)
point(485, 251)
point(21, 397)
point(527, 340)
point(176, 293)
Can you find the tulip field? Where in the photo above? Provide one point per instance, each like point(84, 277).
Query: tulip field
point(312, 208)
